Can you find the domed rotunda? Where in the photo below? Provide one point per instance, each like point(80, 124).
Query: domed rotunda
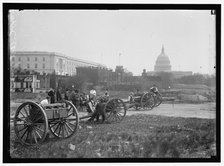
point(162, 62)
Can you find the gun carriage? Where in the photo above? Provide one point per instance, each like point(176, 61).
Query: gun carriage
point(33, 121)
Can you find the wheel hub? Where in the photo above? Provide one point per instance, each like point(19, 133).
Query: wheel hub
point(29, 122)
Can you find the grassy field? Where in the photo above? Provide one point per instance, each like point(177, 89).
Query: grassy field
point(137, 136)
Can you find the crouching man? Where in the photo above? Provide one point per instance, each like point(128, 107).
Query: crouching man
point(99, 113)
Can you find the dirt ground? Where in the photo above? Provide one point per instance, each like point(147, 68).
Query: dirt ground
point(204, 111)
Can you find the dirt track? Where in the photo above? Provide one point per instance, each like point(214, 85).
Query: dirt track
point(205, 111)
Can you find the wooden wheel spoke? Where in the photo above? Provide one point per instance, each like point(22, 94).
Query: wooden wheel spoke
point(63, 131)
point(39, 129)
point(35, 138)
point(71, 124)
point(66, 129)
point(34, 118)
point(19, 119)
point(59, 130)
point(54, 124)
point(115, 117)
point(120, 115)
point(69, 115)
point(38, 134)
point(26, 110)
point(22, 114)
point(57, 127)
point(110, 107)
point(40, 117)
point(24, 133)
point(27, 136)
point(69, 127)
point(22, 129)
point(111, 117)
point(69, 107)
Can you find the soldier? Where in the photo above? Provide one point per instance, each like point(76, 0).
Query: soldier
point(45, 101)
point(58, 94)
point(154, 89)
point(90, 101)
point(66, 96)
point(51, 94)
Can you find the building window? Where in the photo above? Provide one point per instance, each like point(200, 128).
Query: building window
point(28, 58)
point(17, 84)
point(19, 59)
point(28, 66)
point(13, 58)
point(19, 65)
point(43, 66)
point(35, 65)
point(35, 58)
point(43, 58)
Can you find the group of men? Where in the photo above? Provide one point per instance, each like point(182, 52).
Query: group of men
point(52, 96)
point(82, 100)
point(79, 99)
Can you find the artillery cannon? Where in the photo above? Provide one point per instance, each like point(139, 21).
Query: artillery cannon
point(32, 120)
point(145, 101)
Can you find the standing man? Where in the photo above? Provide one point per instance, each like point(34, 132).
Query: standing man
point(90, 101)
point(66, 94)
point(58, 94)
point(51, 94)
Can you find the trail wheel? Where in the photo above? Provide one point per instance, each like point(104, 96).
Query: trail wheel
point(65, 127)
point(147, 101)
point(158, 100)
point(30, 123)
point(115, 110)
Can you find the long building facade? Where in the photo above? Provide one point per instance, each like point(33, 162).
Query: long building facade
point(49, 62)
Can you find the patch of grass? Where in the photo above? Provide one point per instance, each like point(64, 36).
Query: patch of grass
point(137, 136)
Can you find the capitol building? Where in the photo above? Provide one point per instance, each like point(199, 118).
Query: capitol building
point(163, 64)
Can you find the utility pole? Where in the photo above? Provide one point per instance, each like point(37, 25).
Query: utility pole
point(119, 58)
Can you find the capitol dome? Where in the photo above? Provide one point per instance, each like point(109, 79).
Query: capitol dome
point(162, 62)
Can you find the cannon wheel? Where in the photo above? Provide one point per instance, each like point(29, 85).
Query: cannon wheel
point(30, 123)
point(158, 100)
point(147, 101)
point(115, 110)
point(65, 127)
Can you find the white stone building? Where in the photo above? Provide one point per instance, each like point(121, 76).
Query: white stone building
point(48, 62)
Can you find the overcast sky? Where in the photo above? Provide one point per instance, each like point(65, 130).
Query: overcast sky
point(188, 36)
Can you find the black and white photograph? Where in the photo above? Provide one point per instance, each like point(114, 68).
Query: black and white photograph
point(111, 82)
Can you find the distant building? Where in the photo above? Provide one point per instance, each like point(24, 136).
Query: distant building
point(162, 62)
point(25, 83)
point(48, 62)
point(179, 74)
